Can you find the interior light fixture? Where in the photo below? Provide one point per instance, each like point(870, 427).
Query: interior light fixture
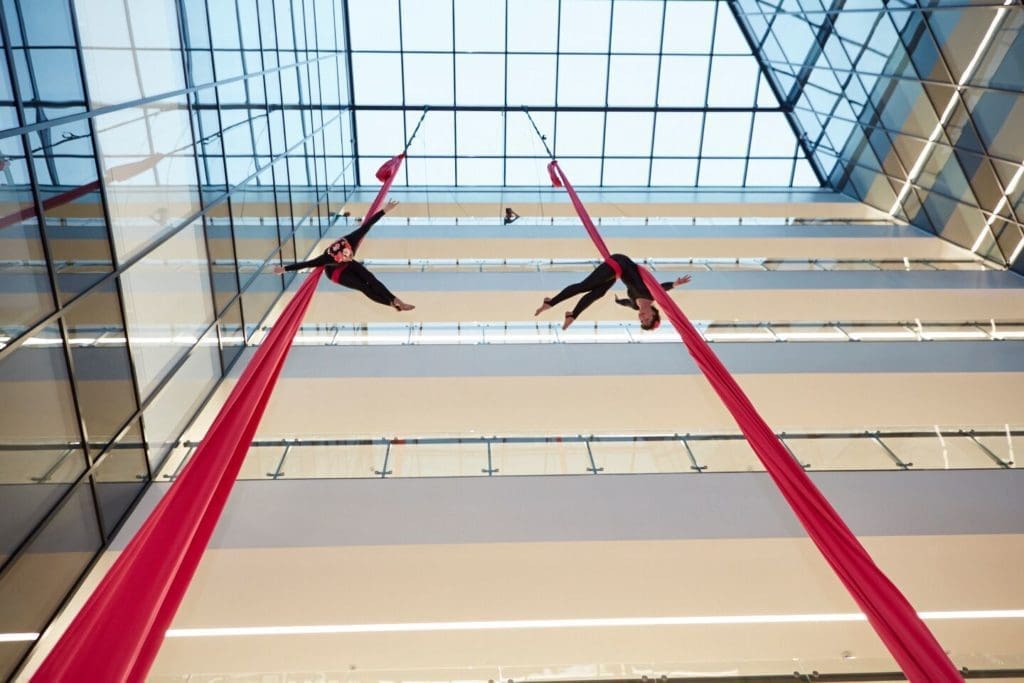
point(572, 623)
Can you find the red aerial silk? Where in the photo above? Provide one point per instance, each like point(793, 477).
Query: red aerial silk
point(117, 634)
point(906, 636)
point(385, 174)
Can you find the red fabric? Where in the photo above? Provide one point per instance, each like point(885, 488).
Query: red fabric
point(386, 174)
point(902, 631)
point(117, 634)
point(559, 179)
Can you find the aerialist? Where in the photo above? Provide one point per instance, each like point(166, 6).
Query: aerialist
point(601, 280)
point(339, 265)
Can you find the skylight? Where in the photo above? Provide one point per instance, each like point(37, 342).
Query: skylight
point(628, 92)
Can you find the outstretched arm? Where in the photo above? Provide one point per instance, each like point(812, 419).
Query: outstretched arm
point(357, 235)
point(678, 281)
point(321, 260)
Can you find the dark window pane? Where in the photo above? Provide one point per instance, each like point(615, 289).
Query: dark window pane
point(103, 376)
point(25, 294)
point(121, 477)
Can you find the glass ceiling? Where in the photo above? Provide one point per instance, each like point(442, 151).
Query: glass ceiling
point(628, 92)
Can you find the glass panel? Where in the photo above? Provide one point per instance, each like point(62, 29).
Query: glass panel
point(632, 80)
point(103, 373)
point(374, 25)
point(25, 293)
point(178, 400)
point(427, 25)
point(121, 477)
point(539, 458)
point(532, 26)
point(582, 80)
point(76, 229)
point(306, 462)
point(150, 172)
point(947, 452)
point(429, 79)
point(438, 460)
point(479, 26)
point(168, 304)
point(860, 453)
point(479, 79)
point(131, 48)
point(40, 453)
point(36, 584)
point(725, 455)
point(634, 457)
point(585, 25)
point(531, 79)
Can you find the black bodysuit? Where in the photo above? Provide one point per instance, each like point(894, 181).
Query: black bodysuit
point(352, 274)
point(601, 280)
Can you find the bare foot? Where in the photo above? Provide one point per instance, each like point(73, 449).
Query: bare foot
point(545, 306)
point(278, 270)
point(402, 306)
point(569, 320)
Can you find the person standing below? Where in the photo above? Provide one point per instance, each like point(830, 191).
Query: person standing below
point(340, 266)
point(510, 216)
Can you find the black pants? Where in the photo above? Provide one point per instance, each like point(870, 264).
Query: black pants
point(593, 287)
point(357, 276)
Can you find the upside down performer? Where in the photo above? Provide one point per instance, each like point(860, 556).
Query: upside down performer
point(597, 284)
point(340, 267)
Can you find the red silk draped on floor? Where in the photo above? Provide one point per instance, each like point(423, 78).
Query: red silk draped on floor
point(118, 632)
point(906, 636)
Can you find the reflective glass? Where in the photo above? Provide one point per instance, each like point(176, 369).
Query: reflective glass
point(41, 453)
point(103, 372)
point(120, 477)
point(25, 292)
point(35, 585)
point(149, 168)
point(131, 48)
point(168, 304)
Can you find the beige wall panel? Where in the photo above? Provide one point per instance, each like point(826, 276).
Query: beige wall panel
point(336, 304)
point(674, 247)
point(370, 584)
point(376, 406)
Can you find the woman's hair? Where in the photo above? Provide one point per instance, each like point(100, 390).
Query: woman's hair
point(655, 320)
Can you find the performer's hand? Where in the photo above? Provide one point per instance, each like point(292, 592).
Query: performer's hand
point(278, 270)
point(682, 280)
point(390, 206)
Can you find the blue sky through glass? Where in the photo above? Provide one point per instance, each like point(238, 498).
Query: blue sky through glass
point(629, 93)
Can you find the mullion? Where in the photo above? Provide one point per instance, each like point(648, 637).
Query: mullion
point(607, 86)
point(401, 70)
point(504, 121)
point(556, 109)
point(356, 175)
point(657, 92)
point(105, 209)
point(455, 128)
point(194, 123)
point(270, 146)
point(57, 316)
point(767, 73)
point(750, 136)
point(245, 83)
point(707, 93)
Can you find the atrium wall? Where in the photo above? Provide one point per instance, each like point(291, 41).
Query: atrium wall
point(148, 174)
